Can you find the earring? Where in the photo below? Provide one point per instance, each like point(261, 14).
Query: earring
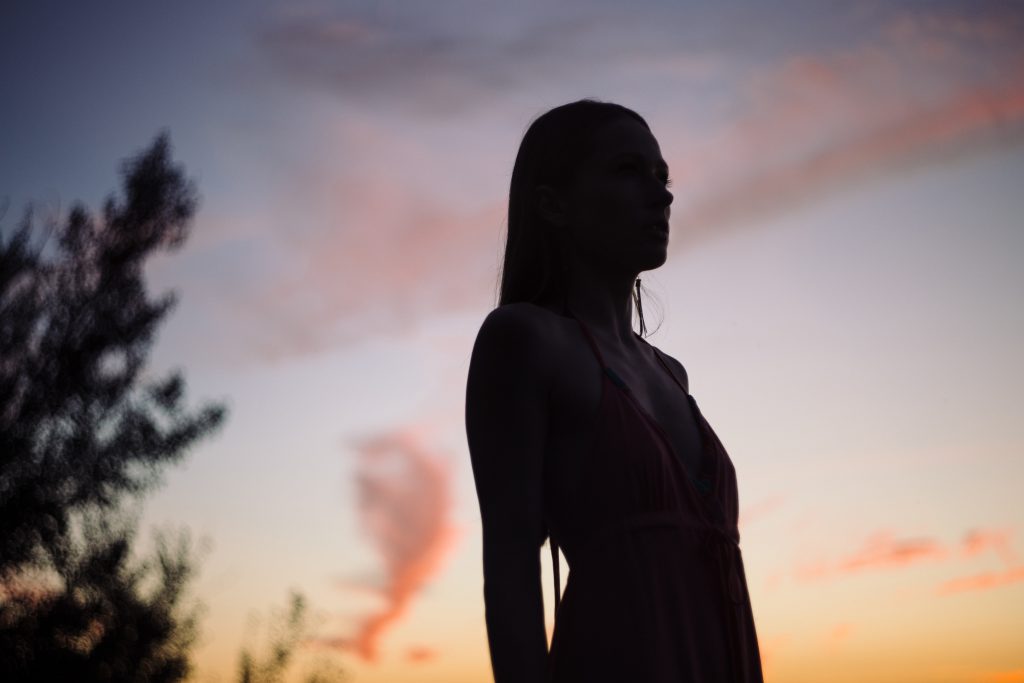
point(639, 308)
point(565, 289)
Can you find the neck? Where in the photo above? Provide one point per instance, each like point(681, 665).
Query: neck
point(604, 301)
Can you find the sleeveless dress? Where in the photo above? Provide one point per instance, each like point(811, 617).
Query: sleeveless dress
point(656, 591)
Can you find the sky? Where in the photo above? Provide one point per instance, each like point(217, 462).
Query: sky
point(843, 287)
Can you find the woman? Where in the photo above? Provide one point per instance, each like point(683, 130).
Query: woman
point(581, 431)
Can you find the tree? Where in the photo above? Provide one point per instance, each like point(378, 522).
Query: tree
point(81, 432)
point(101, 622)
point(287, 633)
point(285, 636)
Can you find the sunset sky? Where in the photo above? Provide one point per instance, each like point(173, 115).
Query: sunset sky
point(843, 286)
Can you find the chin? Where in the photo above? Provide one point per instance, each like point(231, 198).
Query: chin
point(656, 260)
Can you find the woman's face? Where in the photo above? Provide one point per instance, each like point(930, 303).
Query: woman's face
point(618, 206)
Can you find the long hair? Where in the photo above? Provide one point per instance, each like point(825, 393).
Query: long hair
point(551, 153)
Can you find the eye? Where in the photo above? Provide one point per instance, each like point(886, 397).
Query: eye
point(633, 167)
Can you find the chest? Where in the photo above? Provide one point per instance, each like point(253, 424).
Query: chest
point(575, 407)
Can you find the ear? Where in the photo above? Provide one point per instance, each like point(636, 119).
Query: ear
point(550, 206)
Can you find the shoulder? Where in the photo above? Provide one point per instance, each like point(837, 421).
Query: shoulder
point(677, 368)
point(524, 320)
point(521, 320)
point(518, 333)
point(520, 310)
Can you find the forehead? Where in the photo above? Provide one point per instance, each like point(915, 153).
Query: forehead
point(623, 136)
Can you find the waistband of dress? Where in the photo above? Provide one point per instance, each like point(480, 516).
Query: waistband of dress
point(586, 542)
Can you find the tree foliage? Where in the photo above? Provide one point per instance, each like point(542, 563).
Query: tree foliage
point(107, 619)
point(287, 632)
point(81, 429)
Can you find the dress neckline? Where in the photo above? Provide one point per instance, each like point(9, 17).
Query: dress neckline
point(701, 482)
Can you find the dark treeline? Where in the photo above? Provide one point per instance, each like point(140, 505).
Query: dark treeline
point(83, 436)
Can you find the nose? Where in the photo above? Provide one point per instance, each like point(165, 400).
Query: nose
point(665, 197)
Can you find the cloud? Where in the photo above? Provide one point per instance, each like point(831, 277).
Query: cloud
point(404, 504)
point(397, 261)
point(882, 551)
point(391, 241)
point(973, 121)
point(378, 232)
point(927, 88)
point(760, 509)
point(838, 635)
point(982, 581)
point(977, 541)
point(420, 654)
point(439, 64)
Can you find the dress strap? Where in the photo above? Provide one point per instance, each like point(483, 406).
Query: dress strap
point(590, 338)
point(665, 365)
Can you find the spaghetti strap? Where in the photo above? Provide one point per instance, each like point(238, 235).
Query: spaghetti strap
point(597, 352)
point(606, 368)
point(665, 365)
point(589, 337)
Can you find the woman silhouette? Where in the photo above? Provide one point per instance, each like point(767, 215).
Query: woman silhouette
point(582, 432)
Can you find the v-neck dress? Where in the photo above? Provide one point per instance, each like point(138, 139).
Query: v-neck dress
point(656, 591)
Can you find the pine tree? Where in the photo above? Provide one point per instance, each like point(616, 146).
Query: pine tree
point(82, 432)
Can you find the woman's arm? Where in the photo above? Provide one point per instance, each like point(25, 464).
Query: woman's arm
point(506, 421)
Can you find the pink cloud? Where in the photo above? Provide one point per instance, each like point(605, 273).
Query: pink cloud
point(923, 91)
point(977, 541)
point(964, 123)
point(760, 509)
point(839, 633)
point(385, 251)
point(395, 245)
point(881, 550)
point(420, 654)
point(884, 551)
point(404, 502)
point(982, 581)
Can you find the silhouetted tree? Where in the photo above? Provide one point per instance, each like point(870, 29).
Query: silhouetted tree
point(285, 635)
point(80, 431)
point(105, 620)
point(287, 632)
